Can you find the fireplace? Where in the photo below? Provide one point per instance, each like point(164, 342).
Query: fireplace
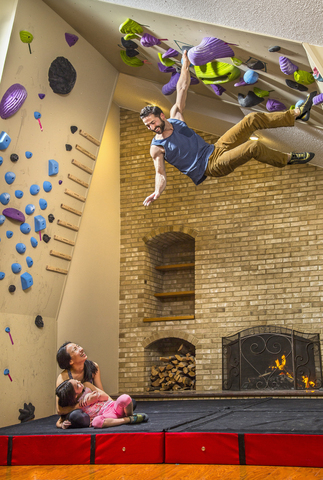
point(271, 358)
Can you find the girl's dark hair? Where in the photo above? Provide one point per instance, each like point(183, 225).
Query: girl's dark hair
point(66, 394)
point(150, 109)
point(63, 359)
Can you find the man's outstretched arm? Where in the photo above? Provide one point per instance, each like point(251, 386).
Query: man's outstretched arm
point(182, 86)
point(160, 177)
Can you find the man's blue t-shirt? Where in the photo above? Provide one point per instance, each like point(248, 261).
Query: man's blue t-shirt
point(186, 150)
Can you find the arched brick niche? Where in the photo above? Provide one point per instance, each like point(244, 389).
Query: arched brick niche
point(170, 269)
point(167, 345)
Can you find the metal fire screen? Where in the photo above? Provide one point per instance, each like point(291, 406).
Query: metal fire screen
point(271, 358)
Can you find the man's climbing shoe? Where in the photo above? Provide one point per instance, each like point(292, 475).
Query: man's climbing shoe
point(139, 418)
point(306, 107)
point(299, 158)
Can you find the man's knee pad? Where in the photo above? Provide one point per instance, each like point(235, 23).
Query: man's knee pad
point(79, 419)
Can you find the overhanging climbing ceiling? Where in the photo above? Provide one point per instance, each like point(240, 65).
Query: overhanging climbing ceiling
point(99, 21)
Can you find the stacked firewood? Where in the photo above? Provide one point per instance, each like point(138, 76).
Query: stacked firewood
point(176, 372)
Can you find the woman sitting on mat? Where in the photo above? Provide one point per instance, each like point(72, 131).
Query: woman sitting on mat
point(102, 410)
point(75, 365)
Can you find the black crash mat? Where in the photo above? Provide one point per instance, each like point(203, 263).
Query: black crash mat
point(266, 415)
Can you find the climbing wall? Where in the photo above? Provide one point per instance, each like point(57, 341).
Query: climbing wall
point(55, 95)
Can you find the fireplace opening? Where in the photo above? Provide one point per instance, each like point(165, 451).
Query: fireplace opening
point(271, 358)
point(170, 365)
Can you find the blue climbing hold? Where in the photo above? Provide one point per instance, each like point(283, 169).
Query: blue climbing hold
point(28, 154)
point(2, 275)
point(42, 204)
point(21, 248)
point(34, 189)
point(25, 228)
point(4, 198)
point(47, 186)
point(26, 280)
point(9, 234)
point(10, 177)
point(16, 268)
point(30, 209)
point(2, 219)
point(33, 242)
point(29, 261)
point(19, 193)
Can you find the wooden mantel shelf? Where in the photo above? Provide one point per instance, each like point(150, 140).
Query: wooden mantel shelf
point(175, 294)
point(178, 266)
point(173, 318)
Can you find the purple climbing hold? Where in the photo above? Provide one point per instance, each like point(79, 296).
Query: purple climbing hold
point(171, 53)
point(208, 50)
point(164, 69)
point(273, 105)
point(12, 100)
point(148, 40)
point(241, 83)
point(318, 99)
point(170, 87)
point(71, 39)
point(41, 95)
point(218, 89)
point(287, 66)
point(14, 214)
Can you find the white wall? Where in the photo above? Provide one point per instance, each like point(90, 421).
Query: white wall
point(89, 313)
point(31, 360)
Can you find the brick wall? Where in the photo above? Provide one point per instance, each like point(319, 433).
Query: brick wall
point(258, 254)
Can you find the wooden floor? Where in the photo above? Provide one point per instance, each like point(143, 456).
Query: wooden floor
point(159, 472)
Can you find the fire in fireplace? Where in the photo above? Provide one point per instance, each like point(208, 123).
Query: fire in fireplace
point(271, 358)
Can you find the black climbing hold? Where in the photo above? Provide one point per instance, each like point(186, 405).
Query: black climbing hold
point(68, 147)
point(296, 86)
point(255, 64)
point(250, 100)
point(51, 218)
point(276, 48)
point(14, 157)
point(61, 76)
point(39, 321)
point(27, 413)
point(73, 129)
point(46, 238)
point(12, 288)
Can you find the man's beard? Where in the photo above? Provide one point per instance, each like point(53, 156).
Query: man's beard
point(161, 127)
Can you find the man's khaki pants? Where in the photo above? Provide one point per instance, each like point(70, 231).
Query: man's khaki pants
point(234, 147)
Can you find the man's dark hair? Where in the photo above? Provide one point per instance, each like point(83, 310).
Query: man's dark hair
point(63, 359)
point(150, 109)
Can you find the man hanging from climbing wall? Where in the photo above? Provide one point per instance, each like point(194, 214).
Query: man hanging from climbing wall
point(180, 146)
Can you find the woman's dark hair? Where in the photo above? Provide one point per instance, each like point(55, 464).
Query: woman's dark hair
point(66, 394)
point(150, 109)
point(63, 359)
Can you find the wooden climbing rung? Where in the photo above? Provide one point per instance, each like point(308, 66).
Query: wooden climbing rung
point(56, 269)
point(64, 240)
point(82, 167)
point(82, 150)
point(72, 210)
point(54, 253)
point(78, 180)
point(89, 137)
point(74, 195)
point(62, 223)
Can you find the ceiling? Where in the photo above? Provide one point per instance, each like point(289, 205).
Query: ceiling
point(98, 22)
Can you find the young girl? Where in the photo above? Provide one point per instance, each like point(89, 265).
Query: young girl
point(102, 410)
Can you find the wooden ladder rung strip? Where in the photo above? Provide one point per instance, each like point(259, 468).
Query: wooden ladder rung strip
point(56, 269)
point(172, 318)
point(60, 255)
point(85, 152)
point(89, 137)
point(75, 195)
point(62, 223)
point(72, 210)
point(64, 240)
point(82, 167)
point(78, 180)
